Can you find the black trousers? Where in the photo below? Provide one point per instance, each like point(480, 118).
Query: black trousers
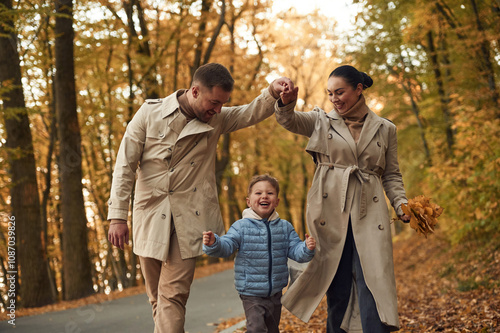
point(339, 292)
point(263, 314)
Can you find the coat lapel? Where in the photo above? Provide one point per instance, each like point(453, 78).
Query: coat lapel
point(194, 127)
point(370, 128)
point(340, 127)
point(177, 122)
point(188, 139)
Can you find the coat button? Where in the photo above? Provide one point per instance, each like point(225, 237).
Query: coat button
point(172, 170)
point(197, 213)
point(110, 202)
point(330, 136)
point(322, 222)
point(378, 144)
point(375, 199)
point(163, 216)
point(194, 190)
point(192, 164)
point(331, 166)
point(171, 191)
point(380, 227)
point(162, 135)
point(169, 149)
point(325, 195)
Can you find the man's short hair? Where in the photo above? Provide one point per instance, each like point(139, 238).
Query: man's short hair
point(259, 178)
point(214, 74)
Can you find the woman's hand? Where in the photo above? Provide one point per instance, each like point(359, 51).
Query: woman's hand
point(405, 218)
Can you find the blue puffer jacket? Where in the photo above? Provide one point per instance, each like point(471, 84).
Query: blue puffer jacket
point(263, 246)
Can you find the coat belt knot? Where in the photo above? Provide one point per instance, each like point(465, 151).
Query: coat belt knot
point(362, 175)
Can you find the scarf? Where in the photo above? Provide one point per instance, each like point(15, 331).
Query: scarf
point(354, 118)
point(184, 106)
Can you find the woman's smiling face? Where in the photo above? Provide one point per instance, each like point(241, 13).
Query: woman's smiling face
point(342, 94)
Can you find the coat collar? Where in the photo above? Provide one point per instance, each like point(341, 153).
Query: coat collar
point(338, 125)
point(170, 104)
point(170, 107)
point(370, 128)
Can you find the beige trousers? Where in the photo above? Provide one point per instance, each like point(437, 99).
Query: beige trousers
point(167, 285)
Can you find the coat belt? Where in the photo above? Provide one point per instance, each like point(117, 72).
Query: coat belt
point(362, 175)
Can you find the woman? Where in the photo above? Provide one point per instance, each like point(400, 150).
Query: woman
point(356, 156)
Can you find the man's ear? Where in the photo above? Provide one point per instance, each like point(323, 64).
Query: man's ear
point(195, 90)
point(248, 202)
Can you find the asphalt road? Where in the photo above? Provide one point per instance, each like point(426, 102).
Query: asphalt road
point(212, 299)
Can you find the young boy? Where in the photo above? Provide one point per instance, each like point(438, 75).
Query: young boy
point(264, 242)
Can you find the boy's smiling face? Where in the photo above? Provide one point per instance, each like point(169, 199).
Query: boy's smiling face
point(263, 199)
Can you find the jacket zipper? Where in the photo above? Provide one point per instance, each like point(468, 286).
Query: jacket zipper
point(269, 250)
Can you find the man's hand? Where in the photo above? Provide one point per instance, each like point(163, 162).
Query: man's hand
point(284, 88)
point(118, 233)
point(288, 96)
point(310, 242)
point(208, 238)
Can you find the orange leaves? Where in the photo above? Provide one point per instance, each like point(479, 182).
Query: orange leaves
point(423, 214)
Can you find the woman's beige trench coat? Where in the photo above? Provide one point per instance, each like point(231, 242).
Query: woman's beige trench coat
point(175, 167)
point(350, 179)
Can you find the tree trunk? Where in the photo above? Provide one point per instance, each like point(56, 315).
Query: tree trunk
point(443, 98)
point(31, 261)
point(76, 262)
point(486, 64)
point(416, 111)
point(151, 85)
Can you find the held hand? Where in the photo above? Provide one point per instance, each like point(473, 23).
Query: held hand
point(288, 96)
point(310, 242)
point(118, 234)
point(279, 85)
point(283, 85)
point(208, 238)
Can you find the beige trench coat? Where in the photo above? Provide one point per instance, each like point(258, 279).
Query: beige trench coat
point(175, 167)
point(350, 179)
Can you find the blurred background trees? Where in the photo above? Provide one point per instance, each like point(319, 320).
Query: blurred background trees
point(435, 64)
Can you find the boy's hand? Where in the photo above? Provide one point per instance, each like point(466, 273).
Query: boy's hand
point(310, 242)
point(208, 238)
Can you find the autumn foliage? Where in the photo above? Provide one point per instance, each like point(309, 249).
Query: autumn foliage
point(435, 66)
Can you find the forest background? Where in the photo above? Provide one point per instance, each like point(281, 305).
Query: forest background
point(72, 74)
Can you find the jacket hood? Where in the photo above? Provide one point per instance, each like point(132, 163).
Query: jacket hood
point(249, 213)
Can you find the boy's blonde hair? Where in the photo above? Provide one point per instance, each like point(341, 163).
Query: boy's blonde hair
point(259, 178)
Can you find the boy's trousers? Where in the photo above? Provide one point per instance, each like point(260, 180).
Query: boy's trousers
point(262, 313)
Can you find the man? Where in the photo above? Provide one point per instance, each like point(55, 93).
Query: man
point(172, 143)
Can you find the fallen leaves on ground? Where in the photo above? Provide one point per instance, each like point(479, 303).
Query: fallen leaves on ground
point(440, 289)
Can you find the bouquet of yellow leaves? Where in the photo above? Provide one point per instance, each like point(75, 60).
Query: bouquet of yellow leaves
point(423, 214)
